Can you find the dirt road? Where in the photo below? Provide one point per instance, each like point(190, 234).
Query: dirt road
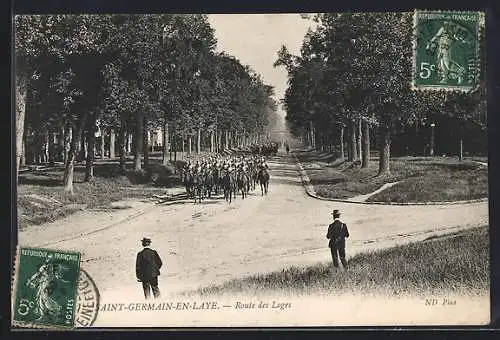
point(216, 241)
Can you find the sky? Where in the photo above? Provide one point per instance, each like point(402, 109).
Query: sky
point(254, 40)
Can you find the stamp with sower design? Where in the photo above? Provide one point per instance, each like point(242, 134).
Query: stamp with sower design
point(45, 288)
point(446, 50)
point(51, 291)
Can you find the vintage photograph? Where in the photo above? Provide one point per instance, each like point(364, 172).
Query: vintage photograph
point(251, 170)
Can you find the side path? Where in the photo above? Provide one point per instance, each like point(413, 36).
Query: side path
point(362, 199)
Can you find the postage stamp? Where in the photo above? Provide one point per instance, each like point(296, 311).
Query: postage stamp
point(446, 50)
point(45, 288)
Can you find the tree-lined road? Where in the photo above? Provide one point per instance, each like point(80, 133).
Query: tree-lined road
point(213, 242)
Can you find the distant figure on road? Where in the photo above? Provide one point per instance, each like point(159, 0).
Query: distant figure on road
point(287, 147)
point(337, 233)
point(147, 269)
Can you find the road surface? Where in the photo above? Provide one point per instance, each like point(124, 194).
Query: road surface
point(215, 241)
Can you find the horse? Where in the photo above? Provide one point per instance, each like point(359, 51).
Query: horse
point(227, 186)
point(216, 173)
point(252, 178)
point(242, 180)
point(263, 180)
point(198, 184)
point(208, 184)
point(188, 180)
point(255, 177)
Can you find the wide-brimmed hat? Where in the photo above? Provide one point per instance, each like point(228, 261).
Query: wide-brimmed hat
point(146, 240)
point(336, 212)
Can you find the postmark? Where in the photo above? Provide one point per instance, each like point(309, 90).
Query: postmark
point(45, 288)
point(87, 303)
point(446, 50)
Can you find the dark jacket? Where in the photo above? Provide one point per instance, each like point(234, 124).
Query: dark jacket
point(147, 265)
point(337, 233)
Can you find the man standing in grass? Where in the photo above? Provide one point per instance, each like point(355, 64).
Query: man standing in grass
point(147, 268)
point(337, 233)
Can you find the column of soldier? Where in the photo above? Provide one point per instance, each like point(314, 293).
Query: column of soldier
point(230, 175)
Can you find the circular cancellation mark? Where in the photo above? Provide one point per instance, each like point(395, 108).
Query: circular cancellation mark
point(87, 305)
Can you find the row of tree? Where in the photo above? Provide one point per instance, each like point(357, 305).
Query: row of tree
point(354, 76)
point(129, 75)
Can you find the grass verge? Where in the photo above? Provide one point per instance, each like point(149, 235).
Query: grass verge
point(457, 263)
point(41, 198)
point(422, 179)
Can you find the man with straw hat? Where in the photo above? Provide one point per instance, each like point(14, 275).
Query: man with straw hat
point(147, 268)
point(337, 233)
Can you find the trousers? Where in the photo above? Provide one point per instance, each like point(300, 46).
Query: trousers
point(151, 285)
point(341, 254)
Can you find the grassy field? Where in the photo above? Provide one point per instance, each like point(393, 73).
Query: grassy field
point(41, 198)
point(422, 179)
point(456, 263)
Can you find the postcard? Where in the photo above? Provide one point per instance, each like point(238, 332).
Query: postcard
point(251, 170)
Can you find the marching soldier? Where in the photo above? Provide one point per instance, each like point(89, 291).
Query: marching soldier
point(337, 233)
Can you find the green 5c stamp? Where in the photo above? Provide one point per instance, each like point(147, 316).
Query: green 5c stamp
point(446, 47)
point(45, 287)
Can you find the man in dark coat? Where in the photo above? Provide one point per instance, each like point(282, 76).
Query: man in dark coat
point(147, 269)
point(337, 233)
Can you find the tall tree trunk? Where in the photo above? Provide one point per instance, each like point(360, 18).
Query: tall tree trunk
point(212, 141)
point(226, 139)
point(89, 164)
point(342, 153)
point(103, 142)
point(353, 154)
point(129, 142)
point(52, 148)
point(461, 150)
point(70, 162)
point(165, 144)
point(366, 145)
point(216, 140)
point(198, 141)
point(174, 144)
point(46, 146)
point(123, 141)
point(311, 132)
point(190, 144)
point(359, 133)
point(62, 138)
point(171, 145)
point(416, 143)
point(322, 135)
point(21, 91)
point(22, 161)
point(82, 149)
point(145, 143)
point(385, 150)
point(68, 138)
point(112, 143)
point(138, 138)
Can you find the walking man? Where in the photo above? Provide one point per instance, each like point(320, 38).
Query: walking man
point(337, 233)
point(147, 269)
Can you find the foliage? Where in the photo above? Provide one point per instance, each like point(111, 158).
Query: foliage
point(115, 67)
point(358, 65)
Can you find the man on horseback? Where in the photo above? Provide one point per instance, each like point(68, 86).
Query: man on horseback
point(263, 164)
point(263, 176)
